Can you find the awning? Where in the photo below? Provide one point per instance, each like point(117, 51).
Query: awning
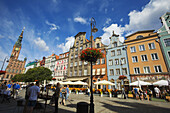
point(76, 79)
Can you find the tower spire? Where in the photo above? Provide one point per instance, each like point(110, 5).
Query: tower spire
point(22, 32)
point(18, 42)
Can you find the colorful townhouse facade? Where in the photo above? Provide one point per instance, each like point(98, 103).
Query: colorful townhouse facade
point(100, 68)
point(145, 57)
point(164, 36)
point(50, 63)
point(61, 67)
point(77, 69)
point(117, 62)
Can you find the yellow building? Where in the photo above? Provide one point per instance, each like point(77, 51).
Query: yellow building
point(145, 58)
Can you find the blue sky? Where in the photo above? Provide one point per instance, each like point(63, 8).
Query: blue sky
point(50, 25)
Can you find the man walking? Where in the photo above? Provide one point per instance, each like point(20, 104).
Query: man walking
point(33, 93)
point(57, 92)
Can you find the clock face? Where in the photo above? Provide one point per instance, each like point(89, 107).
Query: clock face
point(16, 48)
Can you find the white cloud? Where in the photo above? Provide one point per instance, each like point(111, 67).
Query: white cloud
point(108, 31)
point(53, 26)
point(148, 18)
point(57, 38)
point(81, 20)
point(121, 19)
point(107, 21)
point(41, 44)
point(69, 43)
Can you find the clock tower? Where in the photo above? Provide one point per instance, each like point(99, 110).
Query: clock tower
point(15, 66)
point(17, 47)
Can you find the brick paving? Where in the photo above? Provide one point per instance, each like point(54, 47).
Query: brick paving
point(102, 105)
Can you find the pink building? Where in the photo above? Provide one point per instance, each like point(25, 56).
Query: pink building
point(61, 66)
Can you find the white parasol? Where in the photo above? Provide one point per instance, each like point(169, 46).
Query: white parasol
point(104, 82)
point(161, 83)
point(140, 83)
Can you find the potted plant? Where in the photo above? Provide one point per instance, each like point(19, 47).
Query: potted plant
point(91, 55)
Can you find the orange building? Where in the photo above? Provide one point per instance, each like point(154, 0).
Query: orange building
point(100, 68)
point(145, 58)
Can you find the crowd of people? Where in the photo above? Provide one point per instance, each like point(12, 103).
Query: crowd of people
point(11, 89)
point(141, 94)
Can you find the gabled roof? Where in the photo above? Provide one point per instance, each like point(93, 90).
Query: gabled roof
point(140, 32)
point(80, 33)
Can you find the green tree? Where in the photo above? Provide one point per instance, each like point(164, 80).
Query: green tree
point(38, 73)
point(19, 78)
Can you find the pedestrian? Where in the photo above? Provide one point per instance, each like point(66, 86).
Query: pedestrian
point(64, 92)
point(9, 86)
point(150, 94)
point(88, 91)
point(33, 93)
point(27, 96)
point(67, 95)
point(157, 92)
point(56, 94)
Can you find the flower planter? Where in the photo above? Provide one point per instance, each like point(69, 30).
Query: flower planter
point(91, 55)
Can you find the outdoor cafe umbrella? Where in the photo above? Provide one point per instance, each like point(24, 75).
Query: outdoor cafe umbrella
point(104, 82)
point(67, 83)
point(79, 83)
point(140, 83)
point(161, 83)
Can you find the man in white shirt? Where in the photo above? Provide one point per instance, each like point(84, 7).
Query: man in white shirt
point(33, 94)
point(157, 91)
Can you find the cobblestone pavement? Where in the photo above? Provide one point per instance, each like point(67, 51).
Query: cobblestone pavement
point(102, 105)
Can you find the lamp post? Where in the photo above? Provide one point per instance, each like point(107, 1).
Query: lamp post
point(93, 29)
point(4, 62)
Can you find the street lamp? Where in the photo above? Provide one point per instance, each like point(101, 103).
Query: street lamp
point(93, 29)
point(4, 62)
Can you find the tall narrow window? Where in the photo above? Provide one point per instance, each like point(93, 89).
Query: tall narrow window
point(144, 57)
point(75, 73)
point(85, 72)
point(124, 71)
point(151, 46)
point(132, 49)
point(167, 42)
point(103, 71)
point(98, 72)
point(158, 69)
point(136, 70)
point(113, 53)
point(154, 56)
point(103, 61)
point(146, 69)
point(111, 72)
point(110, 62)
point(141, 48)
point(116, 61)
point(134, 59)
point(119, 52)
point(117, 71)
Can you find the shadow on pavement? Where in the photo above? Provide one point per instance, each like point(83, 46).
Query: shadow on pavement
point(72, 105)
point(129, 107)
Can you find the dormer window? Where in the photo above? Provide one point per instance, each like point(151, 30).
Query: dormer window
point(114, 44)
point(139, 36)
